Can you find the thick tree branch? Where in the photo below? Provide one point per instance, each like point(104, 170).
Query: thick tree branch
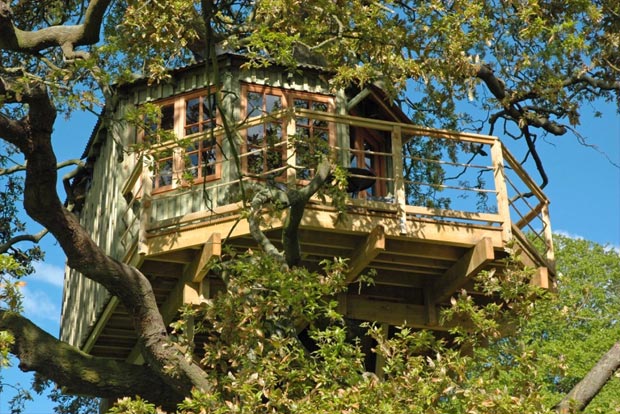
point(65, 37)
point(42, 203)
point(580, 396)
point(81, 373)
point(298, 200)
point(497, 88)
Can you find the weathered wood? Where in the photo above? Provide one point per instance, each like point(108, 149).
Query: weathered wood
point(145, 204)
point(470, 264)
point(499, 175)
point(100, 325)
point(541, 278)
point(212, 248)
point(365, 253)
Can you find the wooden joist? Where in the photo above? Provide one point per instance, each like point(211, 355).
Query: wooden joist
point(466, 267)
point(365, 253)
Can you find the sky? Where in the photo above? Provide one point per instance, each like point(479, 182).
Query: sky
point(584, 190)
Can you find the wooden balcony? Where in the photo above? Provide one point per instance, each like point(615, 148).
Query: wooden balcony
point(423, 248)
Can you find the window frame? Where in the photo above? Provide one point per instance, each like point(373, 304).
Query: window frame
point(180, 160)
point(287, 97)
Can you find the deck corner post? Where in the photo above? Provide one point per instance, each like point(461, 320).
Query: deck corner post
point(399, 181)
point(548, 235)
point(145, 204)
point(503, 206)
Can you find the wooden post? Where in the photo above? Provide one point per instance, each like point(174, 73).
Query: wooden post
point(503, 208)
point(399, 180)
point(178, 166)
point(145, 203)
point(550, 253)
point(291, 159)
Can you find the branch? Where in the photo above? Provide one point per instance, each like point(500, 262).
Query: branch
point(263, 197)
point(66, 37)
point(63, 164)
point(497, 87)
point(580, 396)
point(81, 373)
point(298, 200)
point(34, 238)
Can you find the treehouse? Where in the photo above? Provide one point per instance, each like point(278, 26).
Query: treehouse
point(426, 209)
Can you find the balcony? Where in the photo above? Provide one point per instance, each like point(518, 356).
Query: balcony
point(426, 223)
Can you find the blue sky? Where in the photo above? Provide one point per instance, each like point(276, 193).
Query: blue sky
point(584, 190)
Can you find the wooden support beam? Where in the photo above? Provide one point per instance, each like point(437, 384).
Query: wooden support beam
point(365, 253)
point(541, 278)
point(212, 248)
point(394, 313)
point(461, 271)
point(100, 325)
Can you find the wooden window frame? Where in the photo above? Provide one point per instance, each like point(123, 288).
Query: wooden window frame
point(179, 156)
point(288, 98)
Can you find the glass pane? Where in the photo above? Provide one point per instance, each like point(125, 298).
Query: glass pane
point(192, 111)
point(319, 106)
point(322, 135)
point(165, 173)
point(255, 136)
point(319, 124)
point(255, 104)
point(274, 130)
point(167, 117)
point(255, 163)
point(273, 103)
point(208, 107)
point(208, 161)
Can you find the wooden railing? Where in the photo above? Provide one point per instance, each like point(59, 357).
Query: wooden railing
point(466, 178)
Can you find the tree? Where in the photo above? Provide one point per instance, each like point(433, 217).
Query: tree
point(529, 66)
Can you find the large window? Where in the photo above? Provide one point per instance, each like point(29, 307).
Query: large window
point(267, 146)
point(188, 121)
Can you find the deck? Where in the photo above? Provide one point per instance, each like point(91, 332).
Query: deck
point(423, 254)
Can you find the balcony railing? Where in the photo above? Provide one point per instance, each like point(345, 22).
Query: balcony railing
point(421, 174)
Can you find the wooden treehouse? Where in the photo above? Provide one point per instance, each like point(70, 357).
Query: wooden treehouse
point(423, 212)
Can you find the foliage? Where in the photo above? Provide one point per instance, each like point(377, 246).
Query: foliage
point(261, 365)
point(580, 323)
point(529, 66)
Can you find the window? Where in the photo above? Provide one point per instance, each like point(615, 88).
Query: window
point(266, 151)
point(265, 148)
point(191, 118)
point(367, 149)
point(312, 137)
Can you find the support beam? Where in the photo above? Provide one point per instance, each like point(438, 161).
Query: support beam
point(212, 248)
point(466, 267)
point(541, 278)
point(394, 313)
point(365, 253)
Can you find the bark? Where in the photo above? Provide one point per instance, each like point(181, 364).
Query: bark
point(79, 372)
point(295, 200)
point(66, 37)
point(32, 135)
point(580, 396)
point(131, 286)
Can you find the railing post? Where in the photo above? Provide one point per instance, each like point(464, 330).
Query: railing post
point(291, 159)
point(399, 181)
point(503, 207)
point(145, 203)
point(550, 253)
point(178, 166)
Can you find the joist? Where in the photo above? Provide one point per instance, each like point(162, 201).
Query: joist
point(212, 248)
point(365, 253)
point(466, 267)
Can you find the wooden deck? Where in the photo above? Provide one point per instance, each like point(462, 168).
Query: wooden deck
point(422, 255)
